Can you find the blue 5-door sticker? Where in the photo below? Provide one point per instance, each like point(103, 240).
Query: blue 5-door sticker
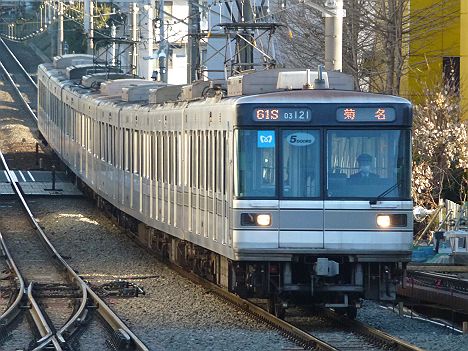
point(265, 138)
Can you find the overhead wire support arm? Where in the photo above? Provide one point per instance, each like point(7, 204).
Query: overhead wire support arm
point(246, 43)
point(272, 27)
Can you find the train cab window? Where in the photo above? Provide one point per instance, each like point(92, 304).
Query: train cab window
point(300, 163)
point(256, 163)
point(368, 163)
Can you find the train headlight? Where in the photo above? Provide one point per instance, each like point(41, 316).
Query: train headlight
point(383, 221)
point(256, 219)
point(263, 220)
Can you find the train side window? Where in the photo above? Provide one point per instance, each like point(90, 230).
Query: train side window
point(212, 160)
point(142, 153)
point(196, 159)
point(101, 141)
point(146, 155)
point(104, 141)
point(110, 144)
point(178, 158)
point(90, 135)
point(170, 168)
point(128, 154)
point(226, 165)
point(152, 168)
point(174, 165)
point(208, 150)
point(157, 156)
point(219, 161)
point(135, 151)
point(160, 156)
point(202, 158)
point(164, 156)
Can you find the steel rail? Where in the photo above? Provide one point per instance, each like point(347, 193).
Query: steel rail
point(301, 337)
point(18, 91)
point(18, 63)
point(10, 314)
point(74, 322)
point(371, 332)
point(47, 336)
point(444, 281)
point(106, 313)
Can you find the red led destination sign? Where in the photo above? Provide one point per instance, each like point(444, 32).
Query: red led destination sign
point(365, 114)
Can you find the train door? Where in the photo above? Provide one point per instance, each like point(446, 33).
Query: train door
point(301, 203)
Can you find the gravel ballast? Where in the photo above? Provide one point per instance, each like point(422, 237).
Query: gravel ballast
point(424, 334)
point(174, 314)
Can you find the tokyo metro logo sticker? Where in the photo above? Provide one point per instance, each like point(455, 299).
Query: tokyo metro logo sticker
point(265, 138)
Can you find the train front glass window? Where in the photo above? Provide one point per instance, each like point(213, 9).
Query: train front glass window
point(256, 163)
point(368, 163)
point(300, 163)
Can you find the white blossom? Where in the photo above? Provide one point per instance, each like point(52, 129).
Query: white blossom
point(440, 148)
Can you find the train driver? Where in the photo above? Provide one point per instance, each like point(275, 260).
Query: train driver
point(364, 174)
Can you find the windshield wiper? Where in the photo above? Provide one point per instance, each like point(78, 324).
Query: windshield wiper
point(386, 192)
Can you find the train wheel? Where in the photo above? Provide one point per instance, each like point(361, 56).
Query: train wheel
point(280, 311)
point(351, 312)
point(275, 307)
point(340, 311)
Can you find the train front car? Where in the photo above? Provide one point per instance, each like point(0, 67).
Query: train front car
point(322, 208)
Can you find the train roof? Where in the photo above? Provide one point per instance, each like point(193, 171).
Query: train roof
point(325, 96)
point(257, 87)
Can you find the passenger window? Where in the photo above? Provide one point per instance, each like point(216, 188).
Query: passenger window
point(300, 163)
point(256, 165)
point(368, 163)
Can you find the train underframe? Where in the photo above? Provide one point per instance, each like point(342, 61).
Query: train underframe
point(337, 281)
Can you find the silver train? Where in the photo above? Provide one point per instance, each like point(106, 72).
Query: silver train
point(269, 187)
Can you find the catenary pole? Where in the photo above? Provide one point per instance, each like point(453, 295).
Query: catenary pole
point(193, 41)
point(163, 46)
point(134, 38)
point(60, 29)
point(334, 35)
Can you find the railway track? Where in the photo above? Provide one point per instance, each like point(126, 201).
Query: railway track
point(323, 331)
point(21, 147)
point(60, 304)
point(448, 282)
point(63, 309)
point(15, 73)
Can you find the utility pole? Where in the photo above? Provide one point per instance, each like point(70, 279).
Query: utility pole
point(89, 24)
point(145, 65)
point(134, 38)
point(60, 29)
point(334, 35)
point(163, 45)
point(91, 27)
point(193, 44)
point(244, 48)
point(114, 46)
point(53, 28)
